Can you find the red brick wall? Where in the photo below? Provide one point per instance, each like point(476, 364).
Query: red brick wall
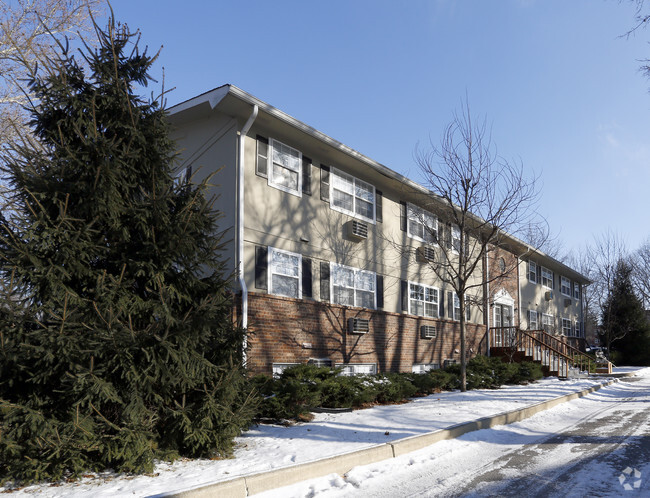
point(285, 330)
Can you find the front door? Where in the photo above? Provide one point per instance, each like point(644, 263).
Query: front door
point(502, 318)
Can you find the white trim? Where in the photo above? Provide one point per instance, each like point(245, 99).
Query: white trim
point(278, 368)
point(564, 329)
point(455, 230)
point(271, 180)
point(418, 215)
point(531, 271)
point(270, 271)
point(562, 280)
point(354, 287)
point(536, 320)
point(334, 172)
point(546, 317)
point(348, 369)
point(417, 368)
point(424, 287)
point(544, 269)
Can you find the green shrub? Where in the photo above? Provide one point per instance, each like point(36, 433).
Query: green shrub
point(393, 387)
point(528, 371)
point(346, 392)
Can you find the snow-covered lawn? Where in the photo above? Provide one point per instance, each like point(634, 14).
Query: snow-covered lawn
point(265, 447)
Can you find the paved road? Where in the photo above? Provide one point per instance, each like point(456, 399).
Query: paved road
point(598, 445)
point(582, 448)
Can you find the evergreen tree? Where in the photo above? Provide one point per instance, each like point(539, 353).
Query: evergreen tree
point(117, 344)
point(624, 322)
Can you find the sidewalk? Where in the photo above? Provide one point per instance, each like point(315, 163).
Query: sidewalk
point(267, 457)
point(279, 456)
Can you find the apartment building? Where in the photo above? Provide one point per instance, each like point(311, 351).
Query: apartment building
point(333, 251)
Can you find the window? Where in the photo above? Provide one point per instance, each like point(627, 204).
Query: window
point(532, 271)
point(349, 369)
point(566, 327)
point(533, 323)
point(578, 329)
point(455, 238)
point(422, 225)
point(424, 367)
point(576, 290)
point(423, 300)
point(547, 278)
point(278, 368)
point(286, 168)
point(548, 322)
point(565, 286)
point(285, 273)
point(353, 287)
point(456, 307)
point(352, 196)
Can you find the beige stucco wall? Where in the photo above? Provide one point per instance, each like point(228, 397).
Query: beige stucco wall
point(311, 227)
point(534, 296)
point(209, 145)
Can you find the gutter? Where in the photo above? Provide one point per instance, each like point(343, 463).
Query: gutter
point(240, 227)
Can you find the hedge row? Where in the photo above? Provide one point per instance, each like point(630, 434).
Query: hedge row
point(302, 388)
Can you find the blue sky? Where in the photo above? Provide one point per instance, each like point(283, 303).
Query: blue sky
point(560, 87)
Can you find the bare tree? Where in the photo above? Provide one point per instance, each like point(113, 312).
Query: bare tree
point(640, 261)
point(28, 30)
point(608, 249)
point(482, 198)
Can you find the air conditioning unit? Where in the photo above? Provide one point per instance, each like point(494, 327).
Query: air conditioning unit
point(428, 332)
point(446, 363)
point(356, 230)
point(426, 254)
point(567, 303)
point(358, 326)
point(549, 295)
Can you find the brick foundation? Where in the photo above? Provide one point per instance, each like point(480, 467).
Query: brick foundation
point(285, 330)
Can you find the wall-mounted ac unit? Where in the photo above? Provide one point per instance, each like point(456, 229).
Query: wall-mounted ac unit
point(446, 363)
point(549, 295)
point(358, 325)
point(357, 230)
point(426, 254)
point(567, 303)
point(428, 331)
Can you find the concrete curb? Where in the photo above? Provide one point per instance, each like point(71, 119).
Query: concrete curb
point(242, 487)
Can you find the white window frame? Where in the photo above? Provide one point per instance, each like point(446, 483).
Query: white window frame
point(578, 327)
point(565, 283)
point(566, 327)
point(355, 181)
point(532, 271)
point(277, 145)
point(548, 318)
point(531, 321)
point(435, 304)
point(418, 368)
point(420, 216)
point(576, 290)
point(456, 312)
point(547, 275)
point(270, 272)
point(356, 271)
point(455, 239)
point(278, 368)
point(349, 369)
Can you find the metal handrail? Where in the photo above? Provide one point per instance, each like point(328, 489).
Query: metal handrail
point(576, 358)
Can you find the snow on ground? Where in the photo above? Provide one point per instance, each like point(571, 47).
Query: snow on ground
point(477, 463)
point(268, 447)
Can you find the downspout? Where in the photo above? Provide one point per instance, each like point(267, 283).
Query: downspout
point(240, 227)
point(519, 285)
point(486, 298)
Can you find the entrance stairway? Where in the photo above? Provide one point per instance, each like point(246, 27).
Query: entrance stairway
point(555, 356)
